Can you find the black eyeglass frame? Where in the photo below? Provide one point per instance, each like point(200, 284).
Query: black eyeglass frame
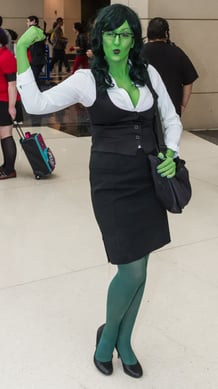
point(113, 34)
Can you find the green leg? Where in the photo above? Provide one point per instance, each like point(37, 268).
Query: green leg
point(126, 327)
point(124, 296)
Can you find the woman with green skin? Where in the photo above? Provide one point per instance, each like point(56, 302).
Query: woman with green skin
point(121, 108)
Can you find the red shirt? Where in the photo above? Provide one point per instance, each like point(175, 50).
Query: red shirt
point(8, 66)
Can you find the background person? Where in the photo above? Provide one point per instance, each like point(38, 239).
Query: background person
point(81, 46)
point(59, 42)
point(9, 45)
point(121, 108)
point(50, 33)
point(174, 66)
point(10, 108)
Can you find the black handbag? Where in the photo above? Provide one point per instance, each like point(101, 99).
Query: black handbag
point(174, 193)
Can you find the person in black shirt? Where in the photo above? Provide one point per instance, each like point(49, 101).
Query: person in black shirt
point(174, 66)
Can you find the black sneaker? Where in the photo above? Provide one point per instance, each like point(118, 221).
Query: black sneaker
point(4, 175)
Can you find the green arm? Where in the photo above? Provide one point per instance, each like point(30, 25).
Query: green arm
point(32, 35)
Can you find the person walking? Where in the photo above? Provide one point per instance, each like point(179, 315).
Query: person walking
point(59, 42)
point(174, 66)
point(10, 108)
point(131, 219)
point(81, 46)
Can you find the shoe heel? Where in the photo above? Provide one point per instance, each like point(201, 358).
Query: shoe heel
point(134, 371)
point(99, 333)
point(118, 354)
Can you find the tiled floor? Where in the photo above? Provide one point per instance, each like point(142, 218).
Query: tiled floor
point(54, 277)
point(73, 120)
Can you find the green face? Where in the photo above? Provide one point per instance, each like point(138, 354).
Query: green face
point(117, 43)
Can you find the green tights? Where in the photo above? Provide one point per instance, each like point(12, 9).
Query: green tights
point(123, 301)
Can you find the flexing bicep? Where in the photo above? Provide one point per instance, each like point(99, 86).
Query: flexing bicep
point(71, 91)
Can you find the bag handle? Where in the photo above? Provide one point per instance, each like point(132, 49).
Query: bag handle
point(19, 130)
point(158, 129)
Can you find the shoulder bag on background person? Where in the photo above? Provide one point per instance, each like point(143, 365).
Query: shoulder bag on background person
point(174, 193)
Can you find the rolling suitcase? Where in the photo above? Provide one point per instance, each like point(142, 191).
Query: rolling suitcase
point(40, 156)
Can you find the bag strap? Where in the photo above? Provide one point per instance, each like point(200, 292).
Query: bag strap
point(158, 129)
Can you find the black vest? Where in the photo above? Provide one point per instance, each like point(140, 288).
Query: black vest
point(119, 131)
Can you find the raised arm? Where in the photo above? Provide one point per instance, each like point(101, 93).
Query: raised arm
point(32, 35)
point(66, 93)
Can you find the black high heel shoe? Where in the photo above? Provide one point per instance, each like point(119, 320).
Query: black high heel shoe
point(104, 367)
point(134, 371)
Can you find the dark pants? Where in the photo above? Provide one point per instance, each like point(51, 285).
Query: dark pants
point(59, 56)
point(36, 71)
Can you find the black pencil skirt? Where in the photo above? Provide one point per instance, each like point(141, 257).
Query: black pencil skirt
point(131, 219)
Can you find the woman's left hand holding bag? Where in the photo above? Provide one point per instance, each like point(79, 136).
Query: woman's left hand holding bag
point(167, 168)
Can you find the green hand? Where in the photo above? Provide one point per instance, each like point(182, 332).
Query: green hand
point(167, 168)
point(32, 35)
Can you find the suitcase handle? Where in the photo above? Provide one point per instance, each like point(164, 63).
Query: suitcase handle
point(19, 130)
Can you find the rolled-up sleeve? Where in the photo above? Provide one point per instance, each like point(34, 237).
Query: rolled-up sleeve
point(70, 91)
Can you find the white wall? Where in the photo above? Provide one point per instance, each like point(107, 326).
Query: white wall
point(194, 27)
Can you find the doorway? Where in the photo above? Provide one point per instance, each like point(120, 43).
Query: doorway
point(89, 9)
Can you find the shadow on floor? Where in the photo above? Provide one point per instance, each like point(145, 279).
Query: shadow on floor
point(209, 135)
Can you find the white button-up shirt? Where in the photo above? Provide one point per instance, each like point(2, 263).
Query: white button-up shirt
point(81, 88)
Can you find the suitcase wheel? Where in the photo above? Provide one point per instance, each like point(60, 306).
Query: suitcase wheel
point(37, 177)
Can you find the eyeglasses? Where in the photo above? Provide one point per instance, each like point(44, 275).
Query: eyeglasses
point(110, 35)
